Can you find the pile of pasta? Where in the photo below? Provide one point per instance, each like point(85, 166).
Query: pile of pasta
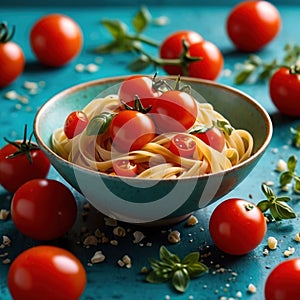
point(155, 160)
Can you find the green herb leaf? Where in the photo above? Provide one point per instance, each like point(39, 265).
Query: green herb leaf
point(168, 257)
point(285, 178)
point(99, 124)
point(141, 20)
point(171, 267)
point(180, 280)
point(291, 163)
point(191, 258)
point(297, 187)
point(196, 269)
point(277, 206)
point(264, 205)
point(159, 277)
point(116, 28)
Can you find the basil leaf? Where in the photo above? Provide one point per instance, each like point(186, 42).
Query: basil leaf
point(285, 178)
point(99, 124)
point(156, 277)
point(284, 211)
point(180, 280)
point(141, 20)
point(168, 257)
point(268, 192)
point(191, 258)
point(264, 205)
point(297, 187)
point(196, 269)
point(116, 28)
point(291, 163)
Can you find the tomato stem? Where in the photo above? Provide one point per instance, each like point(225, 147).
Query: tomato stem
point(5, 34)
point(24, 148)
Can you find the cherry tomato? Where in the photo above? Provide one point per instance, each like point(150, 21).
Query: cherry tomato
point(12, 59)
point(284, 89)
point(131, 130)
point(182, 145)
point(172, 47)
point(56, 39)
point(212, 137)
point(125, 168)
point(140, 86)
point(75, 123)
point(237, 226)
point(46, 272)
point(251, 25)
point(43, 209)
point(211, 64)
point(283, 281)
point(21, 162)
point(174, 111)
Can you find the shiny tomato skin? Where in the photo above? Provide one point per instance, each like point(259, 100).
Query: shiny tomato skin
point(284, 89)
point(140, 86)
point(175, 111)
point(12, 62)
point(43, 209)
point(212, 137)
point(130, 130)
point(17, 170)
point(125, 168)
point(56, 39)
point(283, 281)
point(237, 226)
point(75, 123)
point(251, 25)
point(172, 47)
point(211, 64)
point(48, 273)
point(182, 145)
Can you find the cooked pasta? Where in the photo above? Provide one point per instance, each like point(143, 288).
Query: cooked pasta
point(154, 160)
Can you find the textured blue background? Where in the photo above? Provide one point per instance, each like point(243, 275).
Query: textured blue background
point(107, 280)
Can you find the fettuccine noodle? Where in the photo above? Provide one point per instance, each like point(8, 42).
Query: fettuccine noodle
point(155, 160)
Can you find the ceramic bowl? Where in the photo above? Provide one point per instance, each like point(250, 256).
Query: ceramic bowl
point(147, 201)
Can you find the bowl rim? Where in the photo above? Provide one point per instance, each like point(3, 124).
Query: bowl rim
point(88, 84)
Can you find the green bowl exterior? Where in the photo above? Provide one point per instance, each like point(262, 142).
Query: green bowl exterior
point(141, 200)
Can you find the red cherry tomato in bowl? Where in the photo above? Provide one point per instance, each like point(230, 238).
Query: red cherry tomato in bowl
point(12, 60)
point(43, 209)
point(131, 130)
point(284, 88)
point(251, 25)
point(46, 272)
point(212, 137)
point(174, 111)
point(56, 39)
point(182, 145)
point(140, 86)
point(172, 47)
point(75, 123)
point(21, 161)
point(283, 281)
point(237, 226)
point(125, 168)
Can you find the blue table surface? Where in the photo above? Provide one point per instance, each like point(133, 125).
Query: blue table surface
point(107, 280)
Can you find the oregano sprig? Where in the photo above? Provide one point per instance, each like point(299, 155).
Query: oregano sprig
point(290, 174)
point(277, 206)
point(255, 66)
point(125, 41)
point(170, 267)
